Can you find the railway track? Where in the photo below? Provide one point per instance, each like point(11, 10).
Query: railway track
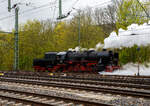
point(84, 86)
point(74, 95)
point(35, 99)
point(71, 75)
point(94, 77)
point(127, 86)
point(130, 83)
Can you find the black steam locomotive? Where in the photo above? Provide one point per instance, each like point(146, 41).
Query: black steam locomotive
point(72, 61)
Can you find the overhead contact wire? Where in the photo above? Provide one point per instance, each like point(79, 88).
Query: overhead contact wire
point(6, 17)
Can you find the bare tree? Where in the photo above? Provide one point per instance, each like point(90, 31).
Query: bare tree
point(106, 18)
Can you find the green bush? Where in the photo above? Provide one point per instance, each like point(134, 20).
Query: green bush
point(134, 55)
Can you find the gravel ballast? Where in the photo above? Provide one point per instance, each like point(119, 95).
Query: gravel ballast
point(116, 100)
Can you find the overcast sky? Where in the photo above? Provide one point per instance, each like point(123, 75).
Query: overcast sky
point(41, 10)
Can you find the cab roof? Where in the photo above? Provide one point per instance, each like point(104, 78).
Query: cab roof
point(51, 53)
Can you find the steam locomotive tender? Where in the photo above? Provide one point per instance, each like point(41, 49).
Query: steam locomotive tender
point(71, 61)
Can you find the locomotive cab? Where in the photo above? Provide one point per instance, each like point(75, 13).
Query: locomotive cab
point(51, 56)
